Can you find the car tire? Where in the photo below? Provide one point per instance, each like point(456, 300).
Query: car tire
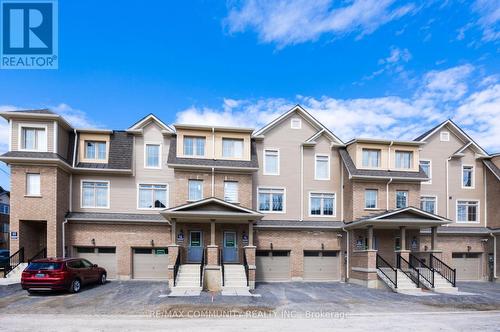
point(76, 286)
point(102, 279)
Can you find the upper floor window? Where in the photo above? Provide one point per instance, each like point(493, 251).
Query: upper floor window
point(271, 200)
point(444, 136)
point(322, 204)
point(296, 123)
point(404, 159)
point(95, 150)
point(33, 138)
point(467, 176)
point(271, 162)
point(467, 211)
point(33, 184)
point(152, 196)
point(371, 158)
point(4, 208)
point(426, 167)
point(231, 191)
point(322, 167)
point(194, 146)
point(232, 148)
point(401, 199)
point(95, 194)
point(371, 198)
point(195, 190)
point(428, 204)
point(153, 156)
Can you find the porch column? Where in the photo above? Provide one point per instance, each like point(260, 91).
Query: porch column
point(250, 251)
point(173, 232)
point(250, 234)
point(212, 249)
point(212, 232)
point(403, 237)
point(433, 238)
point(402, 251)
point(370, 237)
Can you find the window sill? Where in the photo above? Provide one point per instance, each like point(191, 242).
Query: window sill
point(467, 222)
point(273, 212)
point(323, 216)
point(33, 196)
point(153, 168)
point(373, 209)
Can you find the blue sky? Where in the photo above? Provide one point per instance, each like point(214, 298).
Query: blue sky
point(363, 67)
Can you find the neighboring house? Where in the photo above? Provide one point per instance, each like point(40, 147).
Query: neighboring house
point(4, 218)
point(290, 201)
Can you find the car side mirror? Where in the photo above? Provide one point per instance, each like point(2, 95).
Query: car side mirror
point(95, 265)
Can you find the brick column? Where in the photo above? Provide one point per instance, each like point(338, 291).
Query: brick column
point(213, 255)
point(250, 256)
point(173, 252)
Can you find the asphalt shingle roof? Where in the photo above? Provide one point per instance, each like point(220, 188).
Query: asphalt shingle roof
point(120, 152)
point(99, 216)
point(492, 167)
point(34, 155)
point(298, 224)
point(459, 230)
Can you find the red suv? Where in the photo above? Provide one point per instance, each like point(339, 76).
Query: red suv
point(61, 274)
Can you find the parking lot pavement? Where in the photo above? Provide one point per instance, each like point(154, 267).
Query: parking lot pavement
point(145, 298)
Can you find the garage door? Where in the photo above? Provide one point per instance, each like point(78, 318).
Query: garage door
point(150, 263)
point(321, 266)
point(272, 265)
point(102, 256)
point(468, 265)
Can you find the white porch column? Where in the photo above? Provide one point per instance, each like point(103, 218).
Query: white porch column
point(212, 232)
point(370, 237)
point(250, 234)
point(403, 237)
point(433, 238)
point(172, 231)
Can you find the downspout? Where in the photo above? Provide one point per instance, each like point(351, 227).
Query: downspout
point(447, 190)
point(213, 143)
point(389, 156)
point(485, 199)
point(494, 255)
point(74, 147)
point(64, 237)
point(213, 182)
point(348, 244)
point(387, 194)
point(341, 192)
point(301, 182)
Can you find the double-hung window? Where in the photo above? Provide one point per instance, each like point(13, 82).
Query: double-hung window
point(271, 200)
point(467, 176)
point(404, 159)
point(4, 208)
point(195, 190)
point(371, 197)
point(371, 158)
point(194, 146)
point(95, 194)
point(426, 167)
point(33, 139)
point(95, 150)
point(271, 162)
point(322, 204)
point(468, 211)
point(231, 191)
point(322, 167)
point(232, 148)
point(153, 156)
point(152, 196)
point(428, 204)
point(33, 184)
point(401, 199)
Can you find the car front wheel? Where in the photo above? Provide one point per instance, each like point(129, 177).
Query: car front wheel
point(102, 279)
point(76, 285)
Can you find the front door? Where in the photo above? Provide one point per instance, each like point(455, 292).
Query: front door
point(195, 249)
point(230, 250)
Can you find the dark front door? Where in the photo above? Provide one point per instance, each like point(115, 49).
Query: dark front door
point(230, 250)
point(195, 249)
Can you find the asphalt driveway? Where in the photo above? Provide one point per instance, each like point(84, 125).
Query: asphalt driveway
point(146, 298)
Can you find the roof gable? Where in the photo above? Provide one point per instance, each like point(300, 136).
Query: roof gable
point(212, 204)
point(407, 213)
point(147, 120)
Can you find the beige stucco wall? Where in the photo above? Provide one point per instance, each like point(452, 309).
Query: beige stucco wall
point(387, 155)
point(82, 137)
point(15, 134)
point(493, 195)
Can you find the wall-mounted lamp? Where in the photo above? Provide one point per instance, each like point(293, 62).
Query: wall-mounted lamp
point(152, 243)
point(271, 246)
point(426, 247)
point(93, 242)
point(469, 248)
point(322, 246)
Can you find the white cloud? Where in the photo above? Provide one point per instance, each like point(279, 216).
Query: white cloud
point(442, 94)
point(286, 22)
point(489, 20)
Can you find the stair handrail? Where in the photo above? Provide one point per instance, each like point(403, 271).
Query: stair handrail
point(202, 266)
point(410, 268)
point(245, 265)
point(429, 277)
point(444, 270)
point(177, 265)
point(380, 262)
point(41, 254)
point(14, 261)
point(221, 257)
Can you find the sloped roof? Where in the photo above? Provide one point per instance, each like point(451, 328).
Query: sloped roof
point(492, 167)
point(297, 224)
point(150, 118)
point(118, 217)
point(120, 153)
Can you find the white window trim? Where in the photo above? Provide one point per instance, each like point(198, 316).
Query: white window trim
point(376, 199)
point(436, 202)
point(473, 176)
point(478, 211)
point(264, 161)
point(32, 125)
point(295, 119)
point(411, 159)
point(95, 160)
point(430, 171)
point(154, 184)
point(160, 159)
point(237, 191)
point(316, 166)
point(95, 207)
point(194, 155)
point(202, 187)
point(379, 159)
point(26, 194)
point(441, 136)
point(396, 199)
point(334, 204)
point(284, 199)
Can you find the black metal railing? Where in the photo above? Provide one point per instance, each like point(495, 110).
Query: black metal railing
point(14, 260)
point(39, 255)
point(409, 270)
point(443, 269)
point(202, 267)
point(221, 259)
point(426, 272)
point(245, 265)
point(387, 270)
point(177, 265)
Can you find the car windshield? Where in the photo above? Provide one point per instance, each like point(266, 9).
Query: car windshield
point(44, 266)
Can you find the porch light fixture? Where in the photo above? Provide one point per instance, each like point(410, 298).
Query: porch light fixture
point(93, 242)
point(271, 246)
point(322, 246)
point(469, 248)
point(426, 247)
point(152, 243)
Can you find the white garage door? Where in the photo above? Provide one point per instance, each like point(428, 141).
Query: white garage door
point(149, 263)
point(321, 266)
point(102, 256)
point(272, 265)
point(468, 265)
